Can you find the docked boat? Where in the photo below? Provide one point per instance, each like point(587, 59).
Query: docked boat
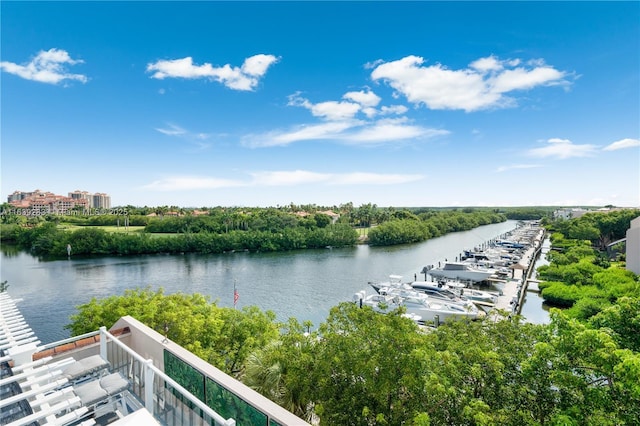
point(450, 292)
point(456, 290)
point(461, 271)
point(428, 310)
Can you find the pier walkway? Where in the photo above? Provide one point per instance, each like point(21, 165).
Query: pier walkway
point(515, 287)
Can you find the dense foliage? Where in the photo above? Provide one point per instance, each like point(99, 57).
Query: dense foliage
point(600, 228)
point(46, 239)
point(364, 368)
point(581, 277)
point(219, 230)
point(222, 336)
point(413, 228)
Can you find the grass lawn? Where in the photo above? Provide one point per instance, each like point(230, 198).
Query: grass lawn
point(118, 229)
point(122, 229)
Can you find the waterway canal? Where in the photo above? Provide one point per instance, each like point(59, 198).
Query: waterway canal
point(302, 284)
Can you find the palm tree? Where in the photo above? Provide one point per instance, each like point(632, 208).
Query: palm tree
point(266, 371)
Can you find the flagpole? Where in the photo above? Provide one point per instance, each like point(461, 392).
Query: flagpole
point(235, 294)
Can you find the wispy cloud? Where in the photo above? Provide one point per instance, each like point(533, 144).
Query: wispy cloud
point(288, 178)
point(305, 132)
point(517, 166)
point(355, 119)
point(46, 67)
point(279, 179)
point(562, 149)
point(300, 177)
point(245, 77)
point(482, 85)
point(187, 183)
point(196, 139)
point(172, 130)
point(390, 130)
point(622, 144)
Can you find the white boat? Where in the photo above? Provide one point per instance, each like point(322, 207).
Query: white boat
point(454, 289)
point(395, 284)
point(479, 296)
point(427, 309)
point(394, 281)
point(461, 271)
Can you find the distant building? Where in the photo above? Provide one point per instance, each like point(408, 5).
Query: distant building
point(48, 202)
point(82, 195)
point(569, 213)
point(333, 215)
point(633, 246)
point(101, 201)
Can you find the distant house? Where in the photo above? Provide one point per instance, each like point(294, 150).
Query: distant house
point(334, 216)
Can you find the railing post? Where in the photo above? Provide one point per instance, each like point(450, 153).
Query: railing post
point(103, 343)
point(148, 386)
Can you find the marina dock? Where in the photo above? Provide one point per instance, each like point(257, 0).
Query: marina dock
point(516, 287)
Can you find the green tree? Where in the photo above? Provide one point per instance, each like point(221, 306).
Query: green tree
point(223, 336)
point(363, 372)
point(623, 319)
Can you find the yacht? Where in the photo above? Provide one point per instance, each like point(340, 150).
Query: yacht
point(461, 271)
point(420, 306)
point(454, 290)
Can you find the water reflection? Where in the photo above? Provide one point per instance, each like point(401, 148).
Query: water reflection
point(9, 250)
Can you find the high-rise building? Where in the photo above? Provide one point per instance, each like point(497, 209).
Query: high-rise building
point(82, 195)
point(101, 200)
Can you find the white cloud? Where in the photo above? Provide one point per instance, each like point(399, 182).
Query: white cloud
point(622, 144)
point(389, 131)
point(244, 78)
point(342, 123)
point(186, 183)
point(308, 132)
point(517, 166)
point(393, 109)
point(288, 178)
point(329, 110)
point(373, 179)
point(195, 139)
point(302, 177)
point(523, 79)
point(333, 110)
point(279, 179)
point(490, 63)
point(46, 67)
point(366, 99)
point(563, 149)
point(172, 130)
point(350, 132)
point(480, 86)
point(257, 65)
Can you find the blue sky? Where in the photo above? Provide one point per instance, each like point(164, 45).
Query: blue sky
point(271, 103)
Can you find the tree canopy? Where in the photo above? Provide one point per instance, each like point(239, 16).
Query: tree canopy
point(360, 367)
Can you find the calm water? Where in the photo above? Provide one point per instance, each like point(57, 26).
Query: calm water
point(302, 284)
point(533, 308)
